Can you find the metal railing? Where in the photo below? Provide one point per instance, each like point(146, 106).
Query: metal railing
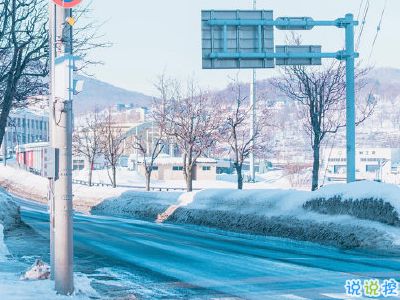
point(152, 188)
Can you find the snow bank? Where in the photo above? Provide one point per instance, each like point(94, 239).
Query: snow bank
point(3, 248)
point(38, 271)
point(12, 288)
point(146, 205)
point(365, 200)
point(358, 215)
point(9, 212)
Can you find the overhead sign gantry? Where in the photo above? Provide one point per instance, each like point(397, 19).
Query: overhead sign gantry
point(244, 39)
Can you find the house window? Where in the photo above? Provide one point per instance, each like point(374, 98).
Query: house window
point(371, 168)
point(177, 168)
point(155, 168)
point(78, 165)
point(206, 168)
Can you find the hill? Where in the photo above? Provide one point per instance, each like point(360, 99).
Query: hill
point(99, 94)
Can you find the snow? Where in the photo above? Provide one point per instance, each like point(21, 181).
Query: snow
point(3, 247)
point(38, 271)
point(9, 212)
point(11, 285)
point(31, 186)
point(139, 204)
point(12, 288)
point(278, 212)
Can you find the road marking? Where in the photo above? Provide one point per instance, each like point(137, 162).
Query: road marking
point(341, 296)
point(293, 297)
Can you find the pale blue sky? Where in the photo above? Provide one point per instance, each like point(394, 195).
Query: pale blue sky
point(153, 36)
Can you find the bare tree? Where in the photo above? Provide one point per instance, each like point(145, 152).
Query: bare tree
point(322, 94)
point(87, 140)
point(236, 129)
point(24, 51)
point(23, 55)
point(149, 144)
point(191, 121)
point(112, 140)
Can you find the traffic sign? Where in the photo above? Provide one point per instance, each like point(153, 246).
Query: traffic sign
point(232, 39)
point(67, 3)
point(301, 59)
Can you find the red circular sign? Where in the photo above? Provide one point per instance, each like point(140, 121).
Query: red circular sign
point(67, 3)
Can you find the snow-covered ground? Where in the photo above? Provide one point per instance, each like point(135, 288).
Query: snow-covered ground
point(9, 212)
point(273, 179)
point(369, 220)
point(31, 186)
point(11, 285)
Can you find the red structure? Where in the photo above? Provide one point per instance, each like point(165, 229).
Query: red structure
point(31, 157)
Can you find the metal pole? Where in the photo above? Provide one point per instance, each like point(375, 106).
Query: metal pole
point(51, 138)
point(61, 140)
point(253, 101)
point(350, 101)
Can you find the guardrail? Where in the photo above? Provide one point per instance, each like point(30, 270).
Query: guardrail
point(152, 188)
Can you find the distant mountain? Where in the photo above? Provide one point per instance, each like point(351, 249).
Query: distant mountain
point(388, 75)
point(386, 82)
point(100, 94)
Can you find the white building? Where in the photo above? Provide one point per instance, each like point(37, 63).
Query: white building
point(371, 164)
point(171, 168)
point(26, 126)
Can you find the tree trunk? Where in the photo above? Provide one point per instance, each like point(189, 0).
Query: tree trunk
point(5, 112)
point(315, 170)
point(148, 178)
point(90, 175)
point(189, 179)
point(238, 169)
point(114, 171)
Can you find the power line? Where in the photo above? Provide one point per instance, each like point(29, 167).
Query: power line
point(378, 30)
point(364, 21)
point(359, 9)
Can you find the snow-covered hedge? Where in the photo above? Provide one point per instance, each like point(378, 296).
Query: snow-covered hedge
point(146, 205)
point(362, 214)
point(364, 200)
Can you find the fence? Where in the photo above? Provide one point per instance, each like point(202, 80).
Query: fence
point(152, 188)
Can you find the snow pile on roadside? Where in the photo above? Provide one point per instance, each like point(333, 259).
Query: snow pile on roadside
point(364, 200)
point(3, 248)
point(9, 212)
point(38, 271)
point(312, 216)
point(146, 205)
point(183, 200)
point(12, 288)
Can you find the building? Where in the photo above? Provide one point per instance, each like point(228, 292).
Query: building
point(381, 164)
point(171, 168)
point(26, 126)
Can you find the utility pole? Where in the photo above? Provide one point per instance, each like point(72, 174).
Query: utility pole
point(61, 59)
point(350, 100)
point(253, 104)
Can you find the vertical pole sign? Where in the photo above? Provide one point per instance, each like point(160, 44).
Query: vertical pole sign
point(61, 120)
point(243, 39)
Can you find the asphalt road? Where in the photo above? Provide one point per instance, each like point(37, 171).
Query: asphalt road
point(164, 261)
